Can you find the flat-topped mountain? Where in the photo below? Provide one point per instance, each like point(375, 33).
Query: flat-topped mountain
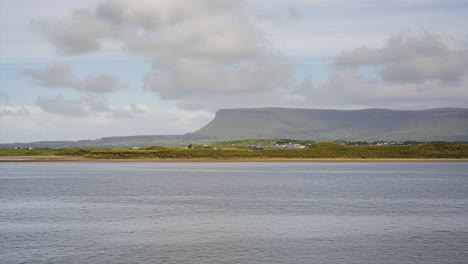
point(441, 124)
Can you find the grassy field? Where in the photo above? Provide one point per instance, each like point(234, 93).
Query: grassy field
point(317, 150)
point(244, 144)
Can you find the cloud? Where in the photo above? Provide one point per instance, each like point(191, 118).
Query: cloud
point(189, 78)
point(65, 107)
point(56, 76)
point(86, 106)
point(82, 33)
point(103, 83)
point(352, 87)
point(161, 30)
point(61, 76)
point(40, 125)
point(411, 57)
point(13, 111)
point(412, 70)
point(4, 96)
point(198, 48)
point(293, 13)
point(207, 54)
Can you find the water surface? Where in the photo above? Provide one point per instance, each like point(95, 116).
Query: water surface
point(234, 212)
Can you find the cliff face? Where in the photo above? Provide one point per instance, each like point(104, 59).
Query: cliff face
point(444, 124)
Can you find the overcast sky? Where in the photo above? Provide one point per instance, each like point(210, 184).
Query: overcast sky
point(87, 69)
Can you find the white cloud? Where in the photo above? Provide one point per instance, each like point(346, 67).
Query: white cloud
point(13, 111)
point(36, 124)
point(198, 48)
point(207, 54)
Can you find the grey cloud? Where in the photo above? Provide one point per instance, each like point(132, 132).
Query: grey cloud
point(293, 13)
point(411, 70)
point(214, 38)
point(62, 106)
point(94, 105)
point(61, 76)
point(196, 46)
point(351, 87)
point(82, 33)
point(162, 30)
point(129, 111)
point(103, 83)
point(411, 57)
point(56, 76)
point(152, 15)
point(213, 102)
point(4, 96)
point(86, 106)
point(357, 57)
point(200, 78)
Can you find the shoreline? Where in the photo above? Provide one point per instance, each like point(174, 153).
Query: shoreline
point(81, 159)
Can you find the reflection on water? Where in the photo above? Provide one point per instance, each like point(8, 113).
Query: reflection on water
point(234, 212)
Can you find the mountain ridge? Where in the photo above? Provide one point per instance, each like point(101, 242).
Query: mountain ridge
point(372, 124)
point(435, 124)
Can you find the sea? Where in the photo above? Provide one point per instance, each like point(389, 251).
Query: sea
point(234, 212)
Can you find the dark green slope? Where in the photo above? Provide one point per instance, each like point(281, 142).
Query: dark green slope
point(444, 124)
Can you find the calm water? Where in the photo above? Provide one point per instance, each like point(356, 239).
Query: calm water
point(234, 213)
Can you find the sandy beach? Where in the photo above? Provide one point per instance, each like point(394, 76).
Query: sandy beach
point(81, 159)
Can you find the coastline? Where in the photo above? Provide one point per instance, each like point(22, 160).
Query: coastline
point(81, 159)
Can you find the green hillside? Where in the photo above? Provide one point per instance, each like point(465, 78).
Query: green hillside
point(443, 124)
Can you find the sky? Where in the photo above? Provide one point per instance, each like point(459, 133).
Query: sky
point(88, 69)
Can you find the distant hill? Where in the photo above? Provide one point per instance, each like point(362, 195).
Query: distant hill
point(115, 142)
point(441, 124)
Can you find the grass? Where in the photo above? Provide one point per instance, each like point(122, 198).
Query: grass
point(317, 150)
point(244, 144)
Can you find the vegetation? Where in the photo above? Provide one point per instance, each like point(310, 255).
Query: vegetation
point(317, 150)
point(247, 143)
point(445, 124)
